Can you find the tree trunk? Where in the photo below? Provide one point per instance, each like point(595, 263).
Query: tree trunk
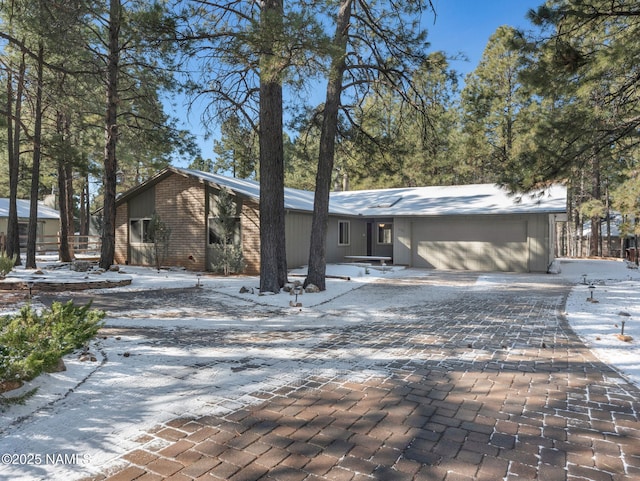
point(13, 131)
point(318, 247)
point(594, 247)
point(84, 207)
point(273, 260)
point(35, 179)
point(64, 250)
point(108, 249)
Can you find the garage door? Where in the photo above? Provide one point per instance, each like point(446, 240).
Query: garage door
point(470, 243)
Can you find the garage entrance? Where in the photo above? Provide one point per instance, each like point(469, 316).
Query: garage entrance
point(470, 243)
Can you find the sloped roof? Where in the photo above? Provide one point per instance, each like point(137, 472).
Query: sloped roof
point(410, 201)
point(451, 200)
point(44, 211)
point(407, 201)
point(294, 199)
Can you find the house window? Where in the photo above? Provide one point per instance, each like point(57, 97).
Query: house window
point(220, 234)
point(23, 232)
point(344, 237)
point(385, 233)
point(139, 231)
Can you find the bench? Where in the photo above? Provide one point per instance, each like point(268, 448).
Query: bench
point(381, 259)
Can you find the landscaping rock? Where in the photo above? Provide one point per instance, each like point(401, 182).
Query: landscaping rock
point(6, 386)
point(312, 288)
point(80, 266)
point(59, 367)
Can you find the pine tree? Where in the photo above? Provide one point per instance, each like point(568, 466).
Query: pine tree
point(224, 236)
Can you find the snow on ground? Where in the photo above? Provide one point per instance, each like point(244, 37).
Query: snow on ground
point(109, 419)
point(617, 292)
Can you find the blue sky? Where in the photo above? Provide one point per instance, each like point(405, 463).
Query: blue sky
point(464, 26)
point(460, 27)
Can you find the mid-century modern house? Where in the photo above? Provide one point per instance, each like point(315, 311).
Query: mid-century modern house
point(478, 227)
point(48, 219)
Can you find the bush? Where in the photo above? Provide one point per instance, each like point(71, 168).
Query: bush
point(31, 343)
point(6, 264)
point(227, 259)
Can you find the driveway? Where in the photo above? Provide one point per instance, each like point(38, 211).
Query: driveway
point(456, 378)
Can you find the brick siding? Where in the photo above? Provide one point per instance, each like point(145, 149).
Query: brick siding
point(121, 255)
point(250, 227)
point(180, 204)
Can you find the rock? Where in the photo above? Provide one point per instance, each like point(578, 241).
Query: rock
point(312, 288)
point(9, 385)
point(59, 367)
point(114, 268)
point(80, 266)
point(244, 290)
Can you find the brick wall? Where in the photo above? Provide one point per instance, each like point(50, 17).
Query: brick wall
point(250, 227)
point(122, 234)
point(180, 204)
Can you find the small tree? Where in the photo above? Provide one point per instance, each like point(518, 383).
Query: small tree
point(227, 254)
point(6, 263)
point(159, 233)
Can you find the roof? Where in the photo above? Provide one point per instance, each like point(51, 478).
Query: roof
point(294, 199)
point(407, 201)
point(44, 211)
point(451, 200)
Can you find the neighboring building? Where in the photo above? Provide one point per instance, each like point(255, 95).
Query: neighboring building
point(475, 227)
point(612, 242)
point(48, 220)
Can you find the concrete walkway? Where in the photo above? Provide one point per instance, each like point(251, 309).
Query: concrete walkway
point(487, 384)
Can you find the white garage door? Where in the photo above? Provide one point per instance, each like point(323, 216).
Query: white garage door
point(471, 243)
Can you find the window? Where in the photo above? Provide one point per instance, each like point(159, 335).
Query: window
point(385, 233)
point(344, 238)
point(139, 231)
point(23, 233)
point(217, 231)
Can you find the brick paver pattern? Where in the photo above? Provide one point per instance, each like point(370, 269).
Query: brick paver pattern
point(492, 385)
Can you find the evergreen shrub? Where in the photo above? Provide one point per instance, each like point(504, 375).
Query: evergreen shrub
point(32, 342)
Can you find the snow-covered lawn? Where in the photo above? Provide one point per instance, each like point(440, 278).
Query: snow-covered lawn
point(616, 299)
point(135, 384)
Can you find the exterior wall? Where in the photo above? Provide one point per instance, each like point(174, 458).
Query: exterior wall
point(358, 238)
point(402, 234)
point(121, 255)
point(297, 235)
point(47, 231)
point(50, 227)
point(250, 232)
point(510, 243)
point(180, 204)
